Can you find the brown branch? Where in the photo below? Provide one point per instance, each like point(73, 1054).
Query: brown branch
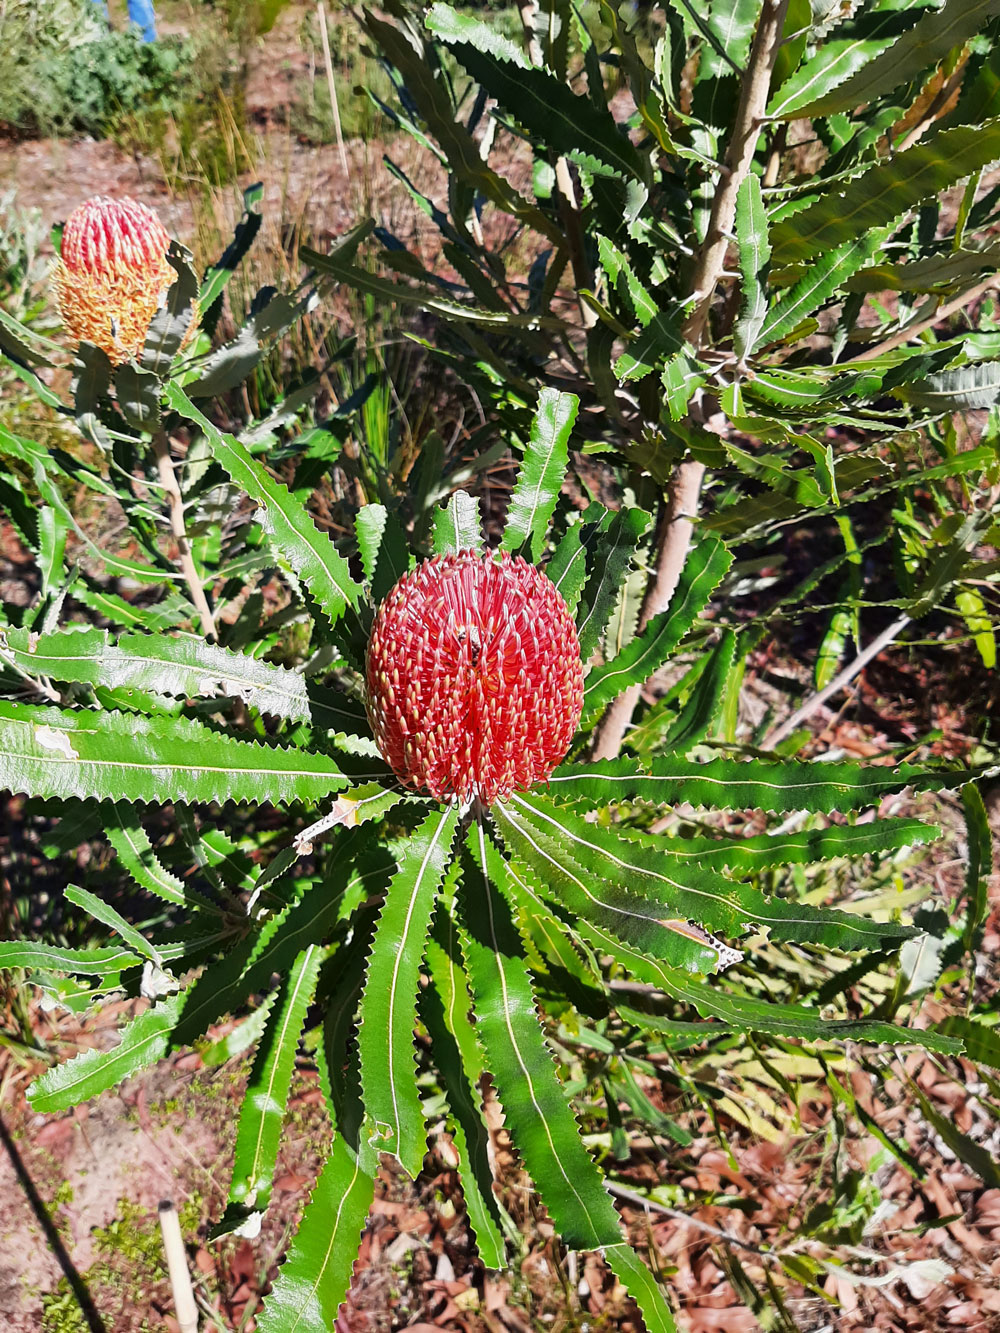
point(676, 527)
point(175, 501)
point(918, 326)
point(843, 678)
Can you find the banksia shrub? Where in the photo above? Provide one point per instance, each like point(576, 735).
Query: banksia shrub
point(475, 683)
point(113, 274)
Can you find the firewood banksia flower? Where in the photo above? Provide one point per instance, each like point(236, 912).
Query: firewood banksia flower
point(475, 684)
point(113, 274)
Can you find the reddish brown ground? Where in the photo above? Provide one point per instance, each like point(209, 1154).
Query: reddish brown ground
point(170, 1131)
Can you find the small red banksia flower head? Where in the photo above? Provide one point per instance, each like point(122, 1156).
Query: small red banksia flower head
point(475, 684)
point(113, 274)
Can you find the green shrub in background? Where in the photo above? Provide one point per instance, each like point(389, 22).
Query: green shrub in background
point(587, 914)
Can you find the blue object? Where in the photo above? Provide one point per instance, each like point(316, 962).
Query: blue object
point(140, 13)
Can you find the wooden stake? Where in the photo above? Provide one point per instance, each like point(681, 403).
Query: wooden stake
point(177, 1266)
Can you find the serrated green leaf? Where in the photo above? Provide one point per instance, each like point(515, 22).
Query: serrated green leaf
point(961, 390)
point(754, 256)
point(570, 124)
point(701, 712)
point(851, 47)
point(457, 526)
point(126, 757)
point(981, 1043)
point(824, 276)
point(567, 567)
point(266, 1097)
point(171, 323)
point(217, 277)
point(706, 565)
point(640, 1284)
point(885, 191)
point(143, 1041)
point(538, 1115)
point(79, 962)
point(445, 1006)
point(748, 856)
point(181, 667)
point(737, 784)
point(249, 966)
point(918, 50)
point(738, 1012)
point(136, 855)
point(541, 473)
point(108, 916)
point(313, 1280)
point(564, 872)
point(609, 554)
point(639, 885)
point(311, 555)
point(389, 1002)
point(980, 864)
point(461, 150)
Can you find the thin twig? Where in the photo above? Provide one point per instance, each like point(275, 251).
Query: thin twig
point(168, 479)
point(918, 326)
point(806, 709)
point(651, 1205)
point(328, 62)
point(676, 527)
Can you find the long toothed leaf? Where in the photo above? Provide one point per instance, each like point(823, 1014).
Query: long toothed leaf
point(747, 1013)
point(79, 962)
point(143, 1041)
point(125, 757)
point(314, 1278)
point(704, 568)
point(182, 667)
point(389, 1003)
point(445, 1006)
point(267, 1093)
point(570, 882)
point(751, 784)
point(538, 1115)
point(633, 880)
point(541, 473)
point(310, 554)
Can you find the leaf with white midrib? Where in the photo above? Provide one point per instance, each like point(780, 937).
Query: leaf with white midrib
point(705, 567)
point(746, 1013)
point(538, 1115)
point(79, 962)
point(314, 1278)
point(123, 756)
point(640, 880)
point(135, 853)
point(388, 1014)
point(179, 667)
point(573, 886)
point(886, 191)
point(288, 524)
point(776, 786)
point(143, 1041)
point(263, 1109)
point(457, 526)
point(445, 1007)
point(541, 473)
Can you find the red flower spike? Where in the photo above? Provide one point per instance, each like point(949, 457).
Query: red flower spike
point(475, 684)
point(113, 275)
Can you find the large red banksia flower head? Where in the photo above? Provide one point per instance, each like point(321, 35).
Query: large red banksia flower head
point(113, 274)
point(475, 684)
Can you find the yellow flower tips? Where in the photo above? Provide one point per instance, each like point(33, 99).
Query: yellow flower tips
point(113, 274)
